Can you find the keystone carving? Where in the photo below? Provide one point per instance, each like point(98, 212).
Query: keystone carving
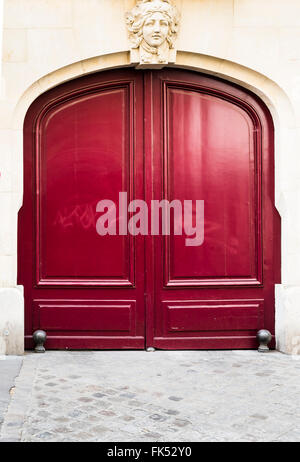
point(153, 27)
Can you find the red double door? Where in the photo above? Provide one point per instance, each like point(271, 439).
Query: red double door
point(155, 135)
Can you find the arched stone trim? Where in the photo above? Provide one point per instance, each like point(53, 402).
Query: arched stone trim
point(269, 91)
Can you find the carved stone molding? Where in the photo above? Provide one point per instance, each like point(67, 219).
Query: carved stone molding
point(152, 27)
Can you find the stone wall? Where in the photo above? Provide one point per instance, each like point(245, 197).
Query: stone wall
point(253, 42)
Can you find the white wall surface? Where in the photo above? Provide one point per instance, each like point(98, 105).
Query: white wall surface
point(253, 42)
point(1, 47)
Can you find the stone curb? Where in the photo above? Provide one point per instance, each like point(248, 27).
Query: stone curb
point(15, 415)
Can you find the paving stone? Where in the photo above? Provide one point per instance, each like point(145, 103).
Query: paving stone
point(259, 416)
point(172, 412)
point(108, 413)
point(45, 435)
point(85, 399)
point(127, 418)
point(99, 395)
point(76, 413)
point(157, 417)
point(135, 403)
point(83, 436)
point(181, 423)
point(153, 435)
point(100, 430)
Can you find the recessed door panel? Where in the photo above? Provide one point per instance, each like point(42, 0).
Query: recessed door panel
point(210, 316)
point(81, 163)
point(89, 315)
point(209, 155)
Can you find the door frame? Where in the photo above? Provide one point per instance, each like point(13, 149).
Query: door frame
point(266, 89)
point(152, 142)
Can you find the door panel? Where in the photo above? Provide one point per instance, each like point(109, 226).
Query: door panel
point(210, 143)
point(93, 316)
point(85, 290)
point(209, 155)
point(212, 315)
point(80, 163)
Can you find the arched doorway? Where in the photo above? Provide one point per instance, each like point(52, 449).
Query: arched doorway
point(155, 135)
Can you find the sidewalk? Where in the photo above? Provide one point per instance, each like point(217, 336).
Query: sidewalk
point(161, 396)
point(9, 368)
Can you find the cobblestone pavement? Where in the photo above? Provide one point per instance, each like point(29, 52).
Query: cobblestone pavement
point(9, 369)
point(161, 396)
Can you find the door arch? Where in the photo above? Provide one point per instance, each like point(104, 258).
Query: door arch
point(166, 134)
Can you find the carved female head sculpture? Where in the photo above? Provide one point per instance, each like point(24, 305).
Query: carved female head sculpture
point(153, 26)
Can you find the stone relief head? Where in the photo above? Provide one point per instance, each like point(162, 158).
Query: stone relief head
point(153, 26)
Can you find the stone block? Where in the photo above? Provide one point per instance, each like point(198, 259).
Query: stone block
point(14, 45)
point(37, 13)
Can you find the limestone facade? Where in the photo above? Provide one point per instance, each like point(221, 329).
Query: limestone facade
point(255, 43)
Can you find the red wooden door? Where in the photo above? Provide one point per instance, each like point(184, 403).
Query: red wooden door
point(213, 142)
point(83, 143)
point(155, 135)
